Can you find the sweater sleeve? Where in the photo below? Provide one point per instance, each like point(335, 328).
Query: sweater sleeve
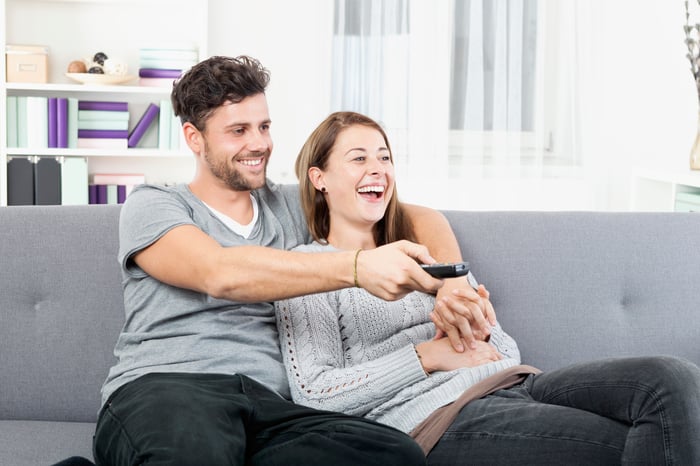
point(312, 350)
point(504, 343)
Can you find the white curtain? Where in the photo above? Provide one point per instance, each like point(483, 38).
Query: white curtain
point(467, 89)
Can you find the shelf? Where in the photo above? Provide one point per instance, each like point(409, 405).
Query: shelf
point(75, 29)
point(135, 153)
point(657, 190)
point(87, 88)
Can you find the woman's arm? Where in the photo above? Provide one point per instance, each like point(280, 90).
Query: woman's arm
point(311, 337)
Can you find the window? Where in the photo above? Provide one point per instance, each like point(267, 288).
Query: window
point(471, 87)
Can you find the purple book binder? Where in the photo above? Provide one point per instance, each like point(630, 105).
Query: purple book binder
point(103, 105)
point(103, 133)
point(101, 194)
point(121, 193)
point(52, 123)
point(159, 73)
point(62, 122)
point(92, 194)
point(144, 122)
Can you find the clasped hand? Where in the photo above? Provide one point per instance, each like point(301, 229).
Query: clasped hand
point(463, 314)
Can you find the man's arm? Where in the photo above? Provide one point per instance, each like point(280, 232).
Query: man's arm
point(187, 257)
point(460, 311)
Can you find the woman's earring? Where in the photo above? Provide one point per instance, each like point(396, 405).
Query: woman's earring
point(323, 189)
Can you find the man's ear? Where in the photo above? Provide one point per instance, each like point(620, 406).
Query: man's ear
point(316, 178)
point(193, 138)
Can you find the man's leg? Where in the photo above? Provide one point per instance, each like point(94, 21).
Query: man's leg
point(289, 434)
point(174, 419)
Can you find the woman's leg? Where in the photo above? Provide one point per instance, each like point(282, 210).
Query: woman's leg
point(657, 397)
point(629, 411)
point(509, 427)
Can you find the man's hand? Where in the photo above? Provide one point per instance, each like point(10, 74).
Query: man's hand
point(391, 271)
point(463, 314)
point(439, 355)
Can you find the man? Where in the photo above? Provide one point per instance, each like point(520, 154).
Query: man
point(199, 377)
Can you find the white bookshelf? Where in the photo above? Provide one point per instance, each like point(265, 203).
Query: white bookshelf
point(76, 29)
point(656, 189)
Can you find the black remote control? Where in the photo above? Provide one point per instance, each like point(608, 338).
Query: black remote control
point(457, 269)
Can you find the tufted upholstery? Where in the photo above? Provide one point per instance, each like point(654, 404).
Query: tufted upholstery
point(567, 286)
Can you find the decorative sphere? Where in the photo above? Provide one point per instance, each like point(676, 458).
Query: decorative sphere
point(77, 66)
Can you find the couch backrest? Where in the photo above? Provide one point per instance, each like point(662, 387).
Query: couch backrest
point(61, 309)
point(582, 285)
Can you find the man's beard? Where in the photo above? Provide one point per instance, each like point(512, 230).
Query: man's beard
point(232, 177)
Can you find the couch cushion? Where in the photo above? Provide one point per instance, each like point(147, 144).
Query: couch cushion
point(41, 443)
point(61, 309)
point(575, 286)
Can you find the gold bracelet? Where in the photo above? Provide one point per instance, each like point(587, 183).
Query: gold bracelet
point(354, 268)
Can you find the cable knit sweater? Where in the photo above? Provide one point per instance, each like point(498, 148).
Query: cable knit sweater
point(351, 352)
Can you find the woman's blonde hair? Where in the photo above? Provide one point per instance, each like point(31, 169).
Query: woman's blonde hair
point(315, 153)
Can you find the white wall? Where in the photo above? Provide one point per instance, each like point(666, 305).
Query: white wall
point(292, 40)
point(640, 106)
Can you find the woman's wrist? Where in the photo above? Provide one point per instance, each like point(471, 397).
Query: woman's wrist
point(420, 349)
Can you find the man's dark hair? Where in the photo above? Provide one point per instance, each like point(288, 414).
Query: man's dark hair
point(213, 82)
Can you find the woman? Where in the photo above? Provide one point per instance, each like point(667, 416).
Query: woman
point(349, 351)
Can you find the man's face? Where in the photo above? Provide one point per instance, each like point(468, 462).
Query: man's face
point(237, 143)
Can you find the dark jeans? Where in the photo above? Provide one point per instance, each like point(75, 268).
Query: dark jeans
point(643, 411)
point(215, 419)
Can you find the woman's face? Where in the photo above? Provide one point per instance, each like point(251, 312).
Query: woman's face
point(359, 178)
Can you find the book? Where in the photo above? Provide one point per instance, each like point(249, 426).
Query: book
point(74, 181)
point(164, 122)
point(166, 63)
point(62, 122)
point(37, 122)
point(53, 122)
point(111, 194)
point(103, 105)
point(92, 194)
point(22, 134)
point(175, 132)
point(101, 143)
point(102, 133)
point(128, 180)
point(72, 122)
point(156, 82)
point(121, 194)
point(101, 196)
point(47, 181)
point(159, 73)
point(102, 115)
point(20, 181)
point(103, 124)
point(143, 124)
point(11, 121)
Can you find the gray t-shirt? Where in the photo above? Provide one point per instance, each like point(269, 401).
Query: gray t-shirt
point(169, 329)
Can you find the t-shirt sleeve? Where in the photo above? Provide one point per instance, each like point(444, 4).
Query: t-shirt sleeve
point(148, 213)
point(290, 194)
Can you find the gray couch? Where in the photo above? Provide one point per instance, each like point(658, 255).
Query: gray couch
point(568, 286)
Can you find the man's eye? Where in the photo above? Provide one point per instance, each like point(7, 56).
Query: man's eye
point(265, 127)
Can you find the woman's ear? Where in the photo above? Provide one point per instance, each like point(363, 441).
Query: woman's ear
point(316, 178)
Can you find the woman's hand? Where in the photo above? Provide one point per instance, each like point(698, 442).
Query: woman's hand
point(439, 355)
point(463, 314)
